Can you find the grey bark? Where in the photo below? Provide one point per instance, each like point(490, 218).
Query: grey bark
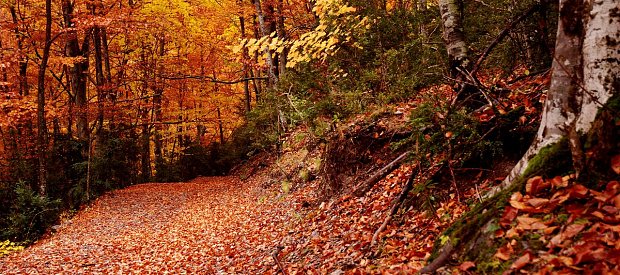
point(453, 34)
point(586, 74)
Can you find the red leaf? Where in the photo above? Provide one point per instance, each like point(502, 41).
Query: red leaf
point(615, 164)
point(572, 230)
point(589, 252)
point(578, 191)
point(537, 202)
point(533, 185)
point(613, 188)
point(558, 182)
point(510, 213)
point(575, 209)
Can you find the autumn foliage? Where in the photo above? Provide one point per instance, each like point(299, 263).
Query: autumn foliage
point(308, 136)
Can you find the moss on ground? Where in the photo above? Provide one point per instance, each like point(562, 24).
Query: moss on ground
point(467, 234)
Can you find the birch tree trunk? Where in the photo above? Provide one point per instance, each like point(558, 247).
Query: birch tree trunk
point(453, 34)
point(586, 75)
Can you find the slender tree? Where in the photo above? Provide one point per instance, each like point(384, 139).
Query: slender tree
point(23, 60)
point(42, 127)
point(264, 31)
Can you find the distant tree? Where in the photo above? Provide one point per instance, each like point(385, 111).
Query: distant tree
point(42, 126)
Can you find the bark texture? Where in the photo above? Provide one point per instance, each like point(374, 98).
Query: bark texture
point(78, 73)
point(453, 34)
point(585, 76)
point(41, 124)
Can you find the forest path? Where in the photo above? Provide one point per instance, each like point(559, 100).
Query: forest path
point(209, 225)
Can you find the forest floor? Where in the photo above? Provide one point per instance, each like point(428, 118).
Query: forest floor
point(225, 225)
point(198, 227)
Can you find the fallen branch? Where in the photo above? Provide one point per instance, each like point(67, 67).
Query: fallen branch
point(503, 35)
point(362, 188)
point(395, 206)
point(210, 78)
point(427, 174)
point(440, 261)
point(275, 258)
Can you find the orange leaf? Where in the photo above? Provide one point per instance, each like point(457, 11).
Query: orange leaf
point(522, 261)
point(537, 202)
point(504, 252)
point(466, 265)
point(578, 191)
point(510, 213)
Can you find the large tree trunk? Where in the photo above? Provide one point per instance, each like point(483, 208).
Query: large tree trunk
point(585, 76)
point(453, 35)
point(99, 78)
point(78, 72)
point(582, 102)
point(42, 127)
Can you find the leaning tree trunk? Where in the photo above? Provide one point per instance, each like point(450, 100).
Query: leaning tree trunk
point(582, 102)
point(453, 35)
point(586, 75)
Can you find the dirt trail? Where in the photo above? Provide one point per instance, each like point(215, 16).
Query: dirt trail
point(198, 227)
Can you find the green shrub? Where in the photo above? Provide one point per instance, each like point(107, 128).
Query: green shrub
point(30, 214)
